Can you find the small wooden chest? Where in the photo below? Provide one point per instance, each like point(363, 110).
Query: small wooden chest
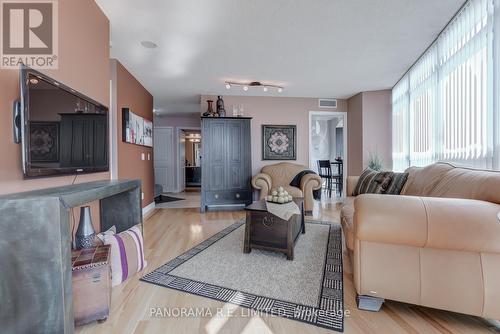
point(263, 230)
point(91, 284)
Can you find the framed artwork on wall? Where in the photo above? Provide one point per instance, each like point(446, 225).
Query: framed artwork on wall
point(279, 142)
point(135, 129)
point(44, 141)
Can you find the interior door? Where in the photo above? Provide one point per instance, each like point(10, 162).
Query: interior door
point(164, 158)
point(181, 182)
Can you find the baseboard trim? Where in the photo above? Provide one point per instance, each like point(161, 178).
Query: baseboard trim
point(148, 208)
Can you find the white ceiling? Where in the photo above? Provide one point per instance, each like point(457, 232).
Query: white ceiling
point(315, 48)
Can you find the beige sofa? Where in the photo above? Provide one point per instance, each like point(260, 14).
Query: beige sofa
point(281, 174)
point(438, 245)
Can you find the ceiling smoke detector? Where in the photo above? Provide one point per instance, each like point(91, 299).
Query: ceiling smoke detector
point(149, 44)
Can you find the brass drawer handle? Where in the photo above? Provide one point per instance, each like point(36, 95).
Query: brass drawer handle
point(267, 221)
point(238, 196)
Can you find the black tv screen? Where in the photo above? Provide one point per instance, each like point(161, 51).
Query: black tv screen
point(62, 131)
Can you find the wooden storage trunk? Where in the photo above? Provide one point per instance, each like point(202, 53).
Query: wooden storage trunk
point(264, 230)
point(91, 284)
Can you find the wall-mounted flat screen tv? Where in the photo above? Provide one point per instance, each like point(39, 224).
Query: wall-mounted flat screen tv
point(62, 130)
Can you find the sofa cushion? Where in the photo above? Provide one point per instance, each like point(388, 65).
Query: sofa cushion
point(422, 180)
point(449, 181)
point(460, 182)
point(372, 182)
point(282, 173)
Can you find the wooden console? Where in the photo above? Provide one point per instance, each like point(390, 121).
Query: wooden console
point(35, 249)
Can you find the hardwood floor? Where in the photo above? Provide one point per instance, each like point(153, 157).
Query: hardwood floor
point(169, 232)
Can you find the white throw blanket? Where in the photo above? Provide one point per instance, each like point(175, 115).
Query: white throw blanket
point(283, 211)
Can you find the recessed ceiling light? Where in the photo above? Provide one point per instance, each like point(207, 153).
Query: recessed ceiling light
point(228, 86)
point(149, 44)
point(264, 89)
point(245, 88)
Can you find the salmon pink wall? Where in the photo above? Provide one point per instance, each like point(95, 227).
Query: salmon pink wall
point(355, 135)
point(131, 94)
point(377, 127)
point(278, 111)
point(83, 65)
point(192, 121)
point(369, 129)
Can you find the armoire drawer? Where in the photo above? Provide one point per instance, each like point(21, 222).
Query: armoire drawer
point(228, 196)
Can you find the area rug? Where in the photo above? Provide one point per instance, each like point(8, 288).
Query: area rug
point(167, 199)
point(307, 289)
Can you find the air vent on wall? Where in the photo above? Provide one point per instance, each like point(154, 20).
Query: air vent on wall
point(328, 103)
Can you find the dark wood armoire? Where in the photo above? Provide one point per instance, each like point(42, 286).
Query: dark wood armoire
point(226, 163)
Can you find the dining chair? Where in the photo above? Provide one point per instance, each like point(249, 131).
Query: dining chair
point(325, 172)
point(338, 178)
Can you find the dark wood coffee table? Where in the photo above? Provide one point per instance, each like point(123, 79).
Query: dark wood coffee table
point(263, 230)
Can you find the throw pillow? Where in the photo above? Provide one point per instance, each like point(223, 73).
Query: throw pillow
point(101, 236)
point(397, 183)
point(127, 253)
point(372, 182)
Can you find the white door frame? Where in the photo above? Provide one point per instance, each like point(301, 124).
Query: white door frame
point(343, 114)
point(180, 164)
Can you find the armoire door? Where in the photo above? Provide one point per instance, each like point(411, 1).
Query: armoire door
point(215, 155)
point(235, 178)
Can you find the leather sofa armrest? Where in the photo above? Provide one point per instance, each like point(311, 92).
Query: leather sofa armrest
point(263, 182)
point(312, 180)
point(430, 222)
point(352, 181)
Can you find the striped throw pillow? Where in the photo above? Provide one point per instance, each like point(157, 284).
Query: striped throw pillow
point(372, 182)
point(127, 254)
point(397, 183)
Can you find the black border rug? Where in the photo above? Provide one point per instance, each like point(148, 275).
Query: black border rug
point(328, 314)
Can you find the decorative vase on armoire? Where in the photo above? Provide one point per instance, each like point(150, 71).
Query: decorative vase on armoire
point(85, 234)
point(210, 110)
point(220, 107)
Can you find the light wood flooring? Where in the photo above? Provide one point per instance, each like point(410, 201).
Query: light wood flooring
point(169, 232)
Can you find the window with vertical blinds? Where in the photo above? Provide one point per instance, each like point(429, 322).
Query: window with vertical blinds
point(443, 107)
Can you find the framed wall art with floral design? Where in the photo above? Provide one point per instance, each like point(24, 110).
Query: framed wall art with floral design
point(279, 142)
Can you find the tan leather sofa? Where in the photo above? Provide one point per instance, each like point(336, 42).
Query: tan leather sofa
point(438, 245)
point(281, 174)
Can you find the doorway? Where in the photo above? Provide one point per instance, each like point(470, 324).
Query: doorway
point(189, 160)
point(328, 141)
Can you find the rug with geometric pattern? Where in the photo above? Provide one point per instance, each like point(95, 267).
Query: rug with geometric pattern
point(308, 289)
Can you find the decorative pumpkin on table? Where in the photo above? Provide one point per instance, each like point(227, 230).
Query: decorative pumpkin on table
point(280, 196)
